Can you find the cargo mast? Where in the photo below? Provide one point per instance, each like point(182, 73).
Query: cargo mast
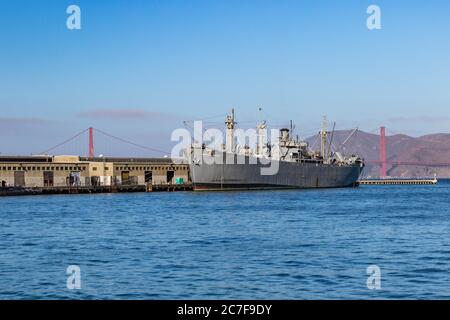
point(229, 122)
point(261, 138)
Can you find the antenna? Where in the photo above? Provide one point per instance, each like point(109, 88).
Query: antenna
point(260, 114)
point(323, 136)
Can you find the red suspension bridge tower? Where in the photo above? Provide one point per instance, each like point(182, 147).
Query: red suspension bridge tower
point(383, 170)
point(91, 143)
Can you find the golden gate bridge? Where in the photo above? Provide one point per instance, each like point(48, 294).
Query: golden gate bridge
point(383, 162)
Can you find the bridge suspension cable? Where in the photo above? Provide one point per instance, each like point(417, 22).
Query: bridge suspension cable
point(131, 143)
point(64, 142)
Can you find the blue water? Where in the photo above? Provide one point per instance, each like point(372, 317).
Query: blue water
point(310, 244)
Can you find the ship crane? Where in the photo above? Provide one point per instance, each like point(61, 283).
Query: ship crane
point(342, 145)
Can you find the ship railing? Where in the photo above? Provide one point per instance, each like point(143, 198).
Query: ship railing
point(317, 161)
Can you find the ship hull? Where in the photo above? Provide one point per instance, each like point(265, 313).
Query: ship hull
point(290, 175)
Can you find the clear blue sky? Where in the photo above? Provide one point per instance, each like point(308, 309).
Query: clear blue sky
point(138, 68)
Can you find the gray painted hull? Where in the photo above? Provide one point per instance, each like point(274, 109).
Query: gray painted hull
point(290, 175)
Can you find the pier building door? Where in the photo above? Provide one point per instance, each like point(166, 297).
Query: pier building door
point(125, 177)
point(75, 178)
point(148, 176)
point(95, 181)
point(170, 175)
point(48, 178)
point(19, 178)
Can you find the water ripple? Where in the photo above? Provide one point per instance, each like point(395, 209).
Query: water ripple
point(310, 244)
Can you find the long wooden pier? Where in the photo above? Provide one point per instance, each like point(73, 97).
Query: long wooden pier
point(169, 187)
point(398, 181)
point(23, 191)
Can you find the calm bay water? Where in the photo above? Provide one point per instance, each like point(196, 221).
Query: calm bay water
point(307, 244)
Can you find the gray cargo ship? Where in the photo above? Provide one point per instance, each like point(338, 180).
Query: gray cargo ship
point(286, 164)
